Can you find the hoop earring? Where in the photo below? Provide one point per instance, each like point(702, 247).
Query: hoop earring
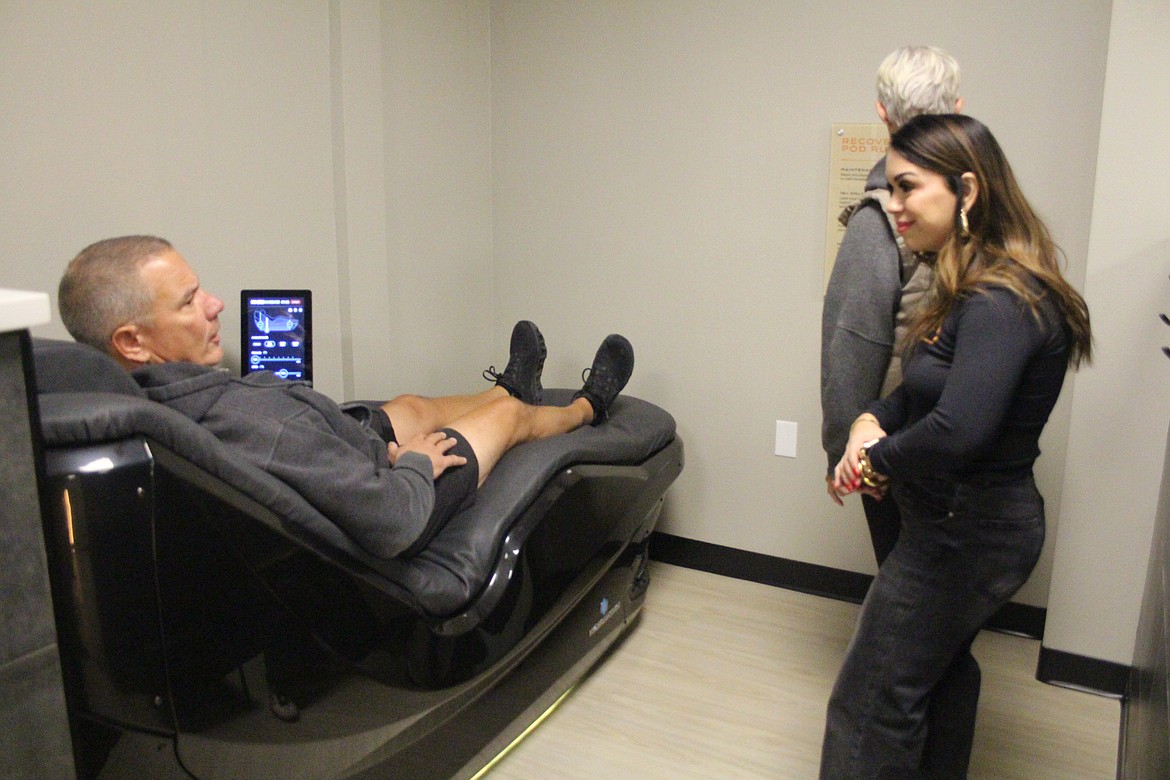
point(964, 228)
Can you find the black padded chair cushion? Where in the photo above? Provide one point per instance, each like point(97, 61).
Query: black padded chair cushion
point(65, 366)
point(442, 578)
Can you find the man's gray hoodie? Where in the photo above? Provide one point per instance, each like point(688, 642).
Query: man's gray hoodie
point(304, 439)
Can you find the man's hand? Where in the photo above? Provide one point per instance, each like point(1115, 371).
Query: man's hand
point(433, 445)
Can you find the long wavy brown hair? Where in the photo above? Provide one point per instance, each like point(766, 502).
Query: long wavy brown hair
point(1007, 243)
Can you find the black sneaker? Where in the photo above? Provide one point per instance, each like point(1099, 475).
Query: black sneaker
point(611, 369)
point(521, 377)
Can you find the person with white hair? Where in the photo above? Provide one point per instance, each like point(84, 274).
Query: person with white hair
point(876, 281)
point(874, 288)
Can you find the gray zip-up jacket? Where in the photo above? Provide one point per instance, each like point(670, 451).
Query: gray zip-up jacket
point(302, 438)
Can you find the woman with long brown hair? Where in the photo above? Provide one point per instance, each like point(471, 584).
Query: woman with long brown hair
point(987, 357)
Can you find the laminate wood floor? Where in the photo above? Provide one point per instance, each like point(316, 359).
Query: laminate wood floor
point(724, 678)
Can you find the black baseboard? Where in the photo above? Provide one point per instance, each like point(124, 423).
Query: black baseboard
point(809, 577)
point(1077, 671)
point(757, 567)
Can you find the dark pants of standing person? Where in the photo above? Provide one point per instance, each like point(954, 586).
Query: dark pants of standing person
point(885, 521)
point(965, 547)
point(947, 751)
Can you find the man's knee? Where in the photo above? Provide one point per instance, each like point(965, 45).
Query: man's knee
point(508, 410)
point(507, 420)
point(410, 413)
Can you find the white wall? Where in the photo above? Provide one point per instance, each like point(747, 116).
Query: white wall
point(436, 170)
point(1121, 405)
point(661, 168)
point(412, 126)
point(207, 123)
point(437, 131)
point(340, 146)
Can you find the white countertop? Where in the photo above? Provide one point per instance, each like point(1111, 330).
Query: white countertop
point(20, 310)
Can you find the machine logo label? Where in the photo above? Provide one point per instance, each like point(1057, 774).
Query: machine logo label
point(606, 614)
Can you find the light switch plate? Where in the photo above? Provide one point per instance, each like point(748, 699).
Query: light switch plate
point(785, 439)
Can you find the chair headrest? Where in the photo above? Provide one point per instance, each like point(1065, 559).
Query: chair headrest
point(69, 367)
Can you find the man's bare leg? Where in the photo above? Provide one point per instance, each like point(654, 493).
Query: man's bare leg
point(414, 414)
point(494, 425)
point(497, 427)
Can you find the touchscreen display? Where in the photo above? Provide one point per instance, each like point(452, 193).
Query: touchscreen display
point(276, 333)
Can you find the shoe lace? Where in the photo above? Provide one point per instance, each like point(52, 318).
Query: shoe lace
point(588, 372)
point(491, 375)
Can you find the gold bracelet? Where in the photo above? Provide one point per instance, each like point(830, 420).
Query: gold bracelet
point(868, 475)
point(865, 416)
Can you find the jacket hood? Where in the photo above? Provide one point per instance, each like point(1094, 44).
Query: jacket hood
point(877, 177)
point(186, 387)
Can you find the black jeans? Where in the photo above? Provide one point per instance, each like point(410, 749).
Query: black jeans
point(885, 523)
point(965, 547)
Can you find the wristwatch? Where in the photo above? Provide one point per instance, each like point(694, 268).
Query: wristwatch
point(868, 475)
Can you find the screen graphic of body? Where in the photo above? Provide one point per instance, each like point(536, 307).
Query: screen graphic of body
point(277, 337)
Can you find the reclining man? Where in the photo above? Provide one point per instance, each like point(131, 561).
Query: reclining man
point(390, 475)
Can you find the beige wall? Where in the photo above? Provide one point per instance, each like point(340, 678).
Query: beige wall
point(207, 123)
point(437, 110)
point(413, 131)
point(662, 168)
point(1121, 405)
point(436, 170)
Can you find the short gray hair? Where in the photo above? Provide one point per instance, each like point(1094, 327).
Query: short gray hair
point(102, 290)
point(917, 80)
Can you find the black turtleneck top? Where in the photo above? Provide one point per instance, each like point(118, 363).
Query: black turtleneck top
point(976, 399)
